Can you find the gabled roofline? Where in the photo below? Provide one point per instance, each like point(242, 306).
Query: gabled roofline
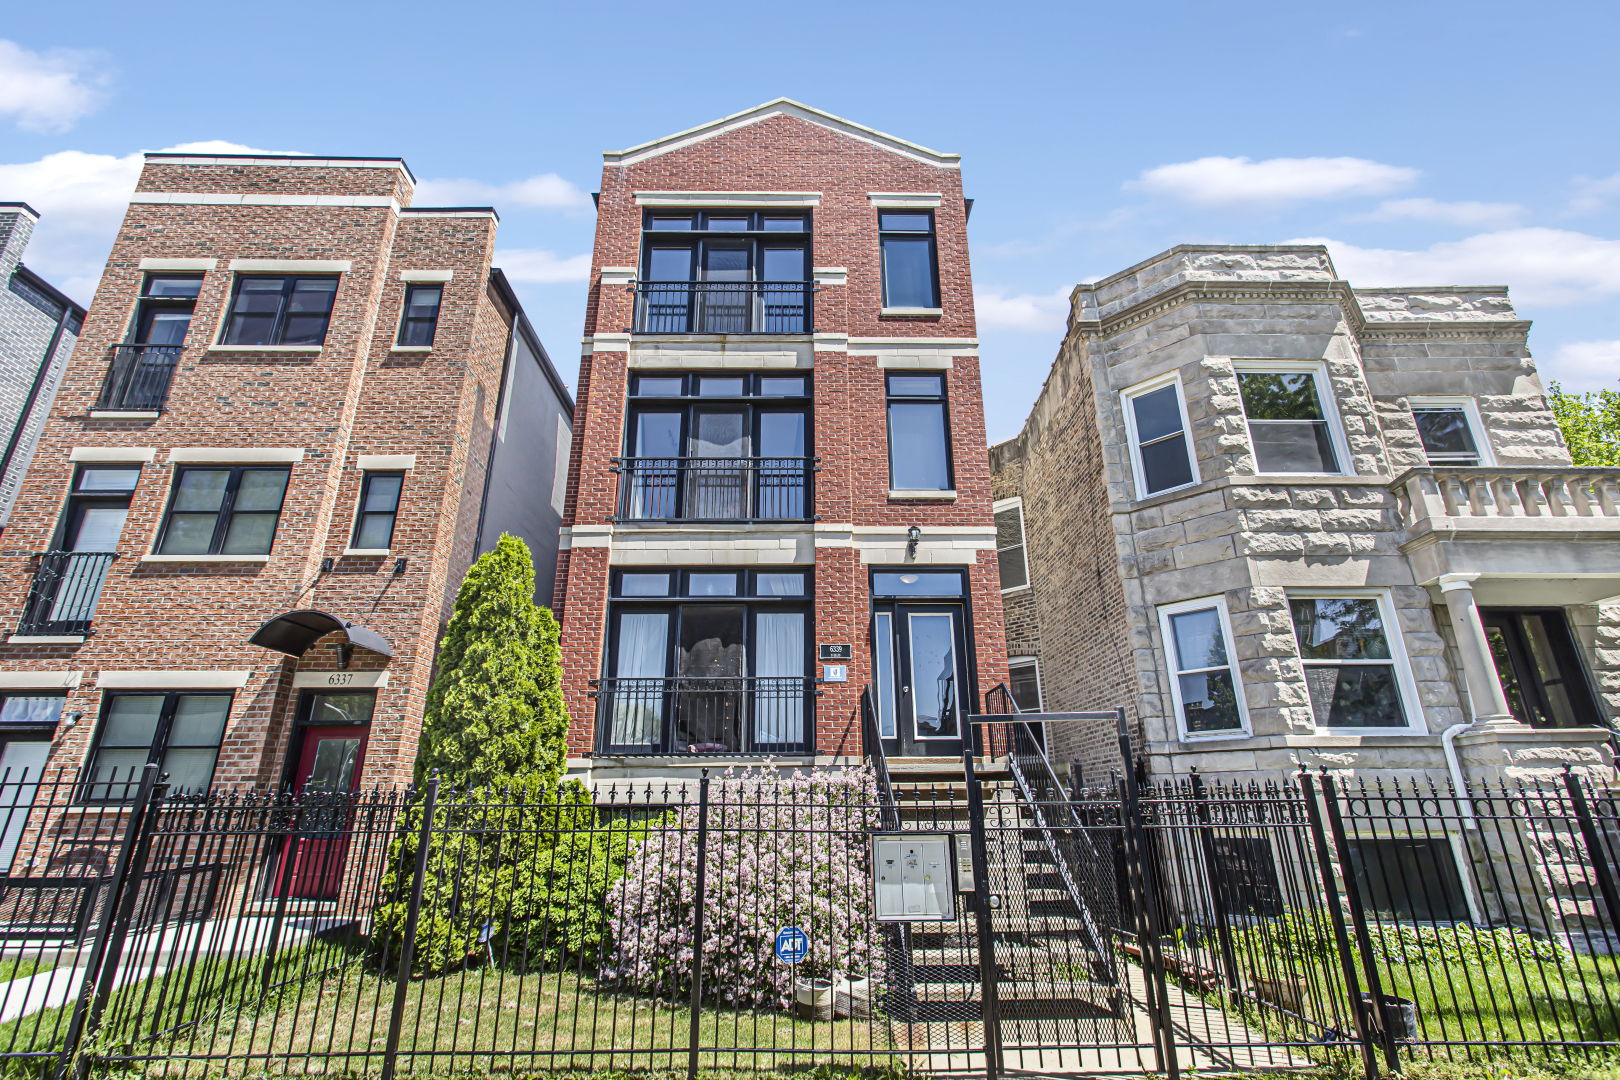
point(781, 107)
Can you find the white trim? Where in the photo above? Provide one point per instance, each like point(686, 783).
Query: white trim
point(178, 264)
point(1001, 506)
point(830, 275)
point(120, 454)
point(905, 200)
point(916, 493)
point(427, 275)
point(308, 350)
point(172, 680)
point(1034, 662)
point(291, 266)
point(1457, 582)
point(758, 199)
point(829, 342)
point(410, 348)
point(1470, 411)
point(1405, 681)
point(40, 680)
point(205, 558)
point(612, 342)
point(1325, 397)
point(292, 161)
point(210, 198)
point(366, 552)
point(617, 275)
point(911, 311)
point(236, 455)
point(1127, 398)
point(384, 462)
point(1168, 643)
point(347, 680)
point(916, 361)
point(45, 639)
point(124, 414)
point(428, 212)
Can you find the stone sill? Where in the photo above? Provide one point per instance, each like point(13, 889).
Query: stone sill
point(1313, 480)
point(913, 312)
point(124, 414)
point(417, 349)
point(907, 493)
point(380, 553)
point(292, 349)
point(259, 559)
point(45, 639)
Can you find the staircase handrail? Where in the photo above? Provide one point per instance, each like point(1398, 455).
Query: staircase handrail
point(872, 742)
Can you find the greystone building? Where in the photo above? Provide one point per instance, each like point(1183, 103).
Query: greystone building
point(38, 328)
point(1287, 522)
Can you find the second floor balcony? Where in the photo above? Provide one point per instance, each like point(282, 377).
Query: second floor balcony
point(723, 307)
point(715, 489)
point(691, 715)
point(138, 378)
point(63, 598)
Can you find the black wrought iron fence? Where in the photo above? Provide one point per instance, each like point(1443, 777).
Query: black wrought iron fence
point(723, 307)
point(138, 378)
point(66, 587)
point(715, 489)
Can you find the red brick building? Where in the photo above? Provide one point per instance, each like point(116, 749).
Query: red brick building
point(298, 409)
point(778, 492)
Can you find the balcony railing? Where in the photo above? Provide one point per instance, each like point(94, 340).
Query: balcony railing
point(723, 307)
point(715, 489)
point(138, 378)
point(687, 715)
point(66, 588)
point(1507, 491)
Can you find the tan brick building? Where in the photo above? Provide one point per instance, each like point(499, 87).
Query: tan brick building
point(778, 472)
point(298, 408)
point(1285, 521)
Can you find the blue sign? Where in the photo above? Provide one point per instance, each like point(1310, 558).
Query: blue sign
point(792, 944)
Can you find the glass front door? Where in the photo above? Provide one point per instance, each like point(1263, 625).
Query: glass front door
point(1538, 667)
point(922, 690)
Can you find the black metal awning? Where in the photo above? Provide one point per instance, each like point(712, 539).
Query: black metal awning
point(294, 632)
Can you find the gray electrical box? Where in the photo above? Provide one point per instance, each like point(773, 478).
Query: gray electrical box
point(914, 876)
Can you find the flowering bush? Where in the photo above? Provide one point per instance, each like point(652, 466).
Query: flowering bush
point(783, 850)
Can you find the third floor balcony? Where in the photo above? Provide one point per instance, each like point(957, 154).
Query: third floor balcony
point(715, 489)
point(723, 307)
point(138, 378)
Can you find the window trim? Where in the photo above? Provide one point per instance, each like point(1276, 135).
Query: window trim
point(160, 737)
point(366, 476)
point(1405, 681)
point(228, 315)
point(1470, 410)
point(227, 508)
point(1167, 643)
point(405, 316)
point(944, 401)
point(1030, 661)
point(1324, 397)
point(1127, 398)
point(885, 307)
point(1016, 501)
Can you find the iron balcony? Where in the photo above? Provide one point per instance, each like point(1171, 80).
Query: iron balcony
point(138, 378)
point(66, 588)
point(716, 489)
point(723, 307)
point(717, 716)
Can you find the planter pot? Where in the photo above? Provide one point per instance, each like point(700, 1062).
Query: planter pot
point(1397, 1015)
point(813, 999)
point(852, 997)
point(1286, 994)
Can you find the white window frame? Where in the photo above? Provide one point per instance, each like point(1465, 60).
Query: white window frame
point(1138, 470)
point(1023, 534)
point(1167, 639)
point(1324, 396)
point(1470, 410)
point(1405, 681)
point(1034, 662)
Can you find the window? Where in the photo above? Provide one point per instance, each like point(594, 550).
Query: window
point(164, 313)
point(917, 583)
point(421, 316)
point(1451, 431)
point(97, 507)
point(1204, 680)
point(27, 724)
point(181, 733)
point(1156, 423)
point(1538, 668)
point(910, 278)
point(379, 503)
point(919, 451)
point(1024, 681)
point(1409, 879)
point(280, 311)
point(1010, 545)
point(1245, 873)
point(223, 511)
point(1288, 422)
point(1350, 666)
point(724, 272)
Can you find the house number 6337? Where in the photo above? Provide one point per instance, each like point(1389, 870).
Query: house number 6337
point(342, 678)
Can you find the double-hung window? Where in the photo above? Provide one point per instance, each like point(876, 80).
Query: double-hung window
point(919, 438)
point(379, 503)
point(1156, 421)
point(1010, 549)
point(421, 315)
point(1291, 425)
point(223, 510)
point(179, 732)
point(1451, 431)
point(910, 261)
point(1024, 682)
point(1204, 680)
point(1350, 649)
point(280, 310)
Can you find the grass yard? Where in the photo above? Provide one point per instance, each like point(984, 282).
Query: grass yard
point(20, 967)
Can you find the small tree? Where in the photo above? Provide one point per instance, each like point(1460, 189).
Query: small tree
point(1590, 423)
point(495, 710)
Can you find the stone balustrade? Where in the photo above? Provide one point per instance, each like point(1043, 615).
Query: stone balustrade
point(1506, 491)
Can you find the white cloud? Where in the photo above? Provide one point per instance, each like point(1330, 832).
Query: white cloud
point(546, 191)
point(1030, 312)
point(1583, 366)
point(1541, 266)
point(50, 91)
point(221, 146)
point(1226, 181)
point(542, 267)
point(1455, 213)
point(1592, 194)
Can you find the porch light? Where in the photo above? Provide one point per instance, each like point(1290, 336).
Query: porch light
point(913, 535)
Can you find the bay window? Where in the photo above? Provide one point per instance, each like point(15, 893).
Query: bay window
point(1291, 425)
point(1204, 682)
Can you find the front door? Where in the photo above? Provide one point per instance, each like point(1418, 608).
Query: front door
point(921, 675)
point(328, 771)
point(1538, 667)
point(21, 765)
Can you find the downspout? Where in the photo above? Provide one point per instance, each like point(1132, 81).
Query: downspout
point(1448, 744)
point(33, 394)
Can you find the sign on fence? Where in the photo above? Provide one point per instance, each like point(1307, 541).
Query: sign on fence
point(792, 944)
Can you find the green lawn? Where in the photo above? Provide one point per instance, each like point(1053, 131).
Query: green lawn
point(20, 967)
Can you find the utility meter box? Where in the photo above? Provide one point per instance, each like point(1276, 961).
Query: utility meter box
point(914, 876)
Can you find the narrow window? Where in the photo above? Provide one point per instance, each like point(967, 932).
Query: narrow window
point(164, 314)
point(421, 317)
point(180, 733)
point(910, 279)
point(1288, 426)
point(1349, 665)
point(1024, 681)
point(280, 311)
point(379, 503)
point(223, 511)
point(1159, 434)
point(27, 725)
point(1010, 546)
point(1448, 433)
point(1409, 879)
point(1204, 678)
point(919, 451)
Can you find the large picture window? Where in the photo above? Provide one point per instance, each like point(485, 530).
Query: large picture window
point(1351, 664)
point(1204, 680)
point(910, 270)
point(223, 511)
point(1290, 426)
point(179, 732)
point(724, 272)
point(919, 439)
point(280, 311)
point(1156, 423)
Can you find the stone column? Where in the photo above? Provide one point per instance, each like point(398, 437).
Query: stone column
point(1485, 698)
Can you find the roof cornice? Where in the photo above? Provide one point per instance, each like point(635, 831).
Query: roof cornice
point(1336, 290)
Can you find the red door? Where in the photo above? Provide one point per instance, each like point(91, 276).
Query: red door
point(329, 766)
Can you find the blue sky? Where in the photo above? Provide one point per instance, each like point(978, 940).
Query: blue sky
point(1428, 143)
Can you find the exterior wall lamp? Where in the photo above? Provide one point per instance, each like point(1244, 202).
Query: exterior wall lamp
point(913, 535)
